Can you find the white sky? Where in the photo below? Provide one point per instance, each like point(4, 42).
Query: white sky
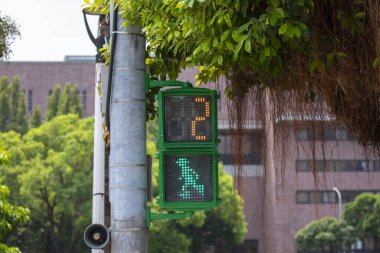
point(50, 29)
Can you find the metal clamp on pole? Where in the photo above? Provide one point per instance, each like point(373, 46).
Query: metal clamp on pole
point(150, 83)
point(165, 216)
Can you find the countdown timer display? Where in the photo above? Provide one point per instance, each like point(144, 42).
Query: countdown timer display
point(187, 118)
point(188, 178)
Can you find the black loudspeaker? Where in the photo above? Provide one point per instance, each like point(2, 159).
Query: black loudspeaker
point(96, 236)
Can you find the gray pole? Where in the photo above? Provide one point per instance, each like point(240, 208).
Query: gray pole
point(339, 200)
point(127, 164)
point(98, 167)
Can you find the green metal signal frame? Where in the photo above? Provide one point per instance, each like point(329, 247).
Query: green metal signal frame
point(165, 216)
point(213, 143)
point(185, 208)
point(188, 205)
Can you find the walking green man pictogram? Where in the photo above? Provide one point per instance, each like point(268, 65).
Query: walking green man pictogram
point(191, 187)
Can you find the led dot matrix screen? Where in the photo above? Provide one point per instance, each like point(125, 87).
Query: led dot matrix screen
point(187, 118)
point(190, 177)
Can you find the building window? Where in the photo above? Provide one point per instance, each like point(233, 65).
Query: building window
point(30, 100)
point(302, 197)
point(327, 197)
point(50, 92)
point(84, 100)
point(327, 133)
point(252, 146)
point(338, 165)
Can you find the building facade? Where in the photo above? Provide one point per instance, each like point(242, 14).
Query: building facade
point(280, 197)
point(37, 80)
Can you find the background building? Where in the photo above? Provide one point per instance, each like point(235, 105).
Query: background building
point(37, 79)
point(278, 201)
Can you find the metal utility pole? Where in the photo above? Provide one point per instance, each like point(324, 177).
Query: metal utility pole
point(127, 164)
point(99, 154)
point(335, 189)
point(98, 198)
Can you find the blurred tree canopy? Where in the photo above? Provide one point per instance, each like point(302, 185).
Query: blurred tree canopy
point(49, 171)
point(8, 33)
point(13, 114)
point(364, 215)
point(326, 234)
point(360, 220)
point(10, 217)
point(60, 103)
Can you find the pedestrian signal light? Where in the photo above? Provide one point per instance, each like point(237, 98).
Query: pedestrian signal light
point(188, 179)
point(188, 175)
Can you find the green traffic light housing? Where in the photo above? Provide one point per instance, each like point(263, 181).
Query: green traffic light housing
point(187, 118)
point(188, 156)
point(188, 179)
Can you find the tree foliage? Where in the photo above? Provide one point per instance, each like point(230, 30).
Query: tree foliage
point(66, 102)
point(13, 114)
point(364, 215)
point(327, 233)
point(323, 55)
point(10, 217)
point(53, 101)
point(8, 33)
point(361, 219)
point(36, 119)
point(50, 171)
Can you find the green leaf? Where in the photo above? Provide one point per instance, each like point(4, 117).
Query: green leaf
point(341, 54)
point(313, 65)
point(238, 47)
point(376, 62)
point(170, 36)
point(247, 46)
point(228, 20)
point(279, 13)
point(297, 32)
point(273, 19)
point(274, 3)
point(220, 60)
point(267, 51)
point(236, 36)
point(290, 30)
point(360, 15)
point(302, 26)
point(244, 7)
point(330, 56)
point(275, 43)
point(225, 35)
point(149, 61)
point(215, 42)
point(262, 56)
point(229, 46)
point(282, 29)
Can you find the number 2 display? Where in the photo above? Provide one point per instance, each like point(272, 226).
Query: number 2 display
point(187, 119)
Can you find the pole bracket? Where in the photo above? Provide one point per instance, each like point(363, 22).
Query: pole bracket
point(150, 83)
point(165, 216)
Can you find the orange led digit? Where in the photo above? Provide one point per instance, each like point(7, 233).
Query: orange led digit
point(200, 118)
point(187, 118)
